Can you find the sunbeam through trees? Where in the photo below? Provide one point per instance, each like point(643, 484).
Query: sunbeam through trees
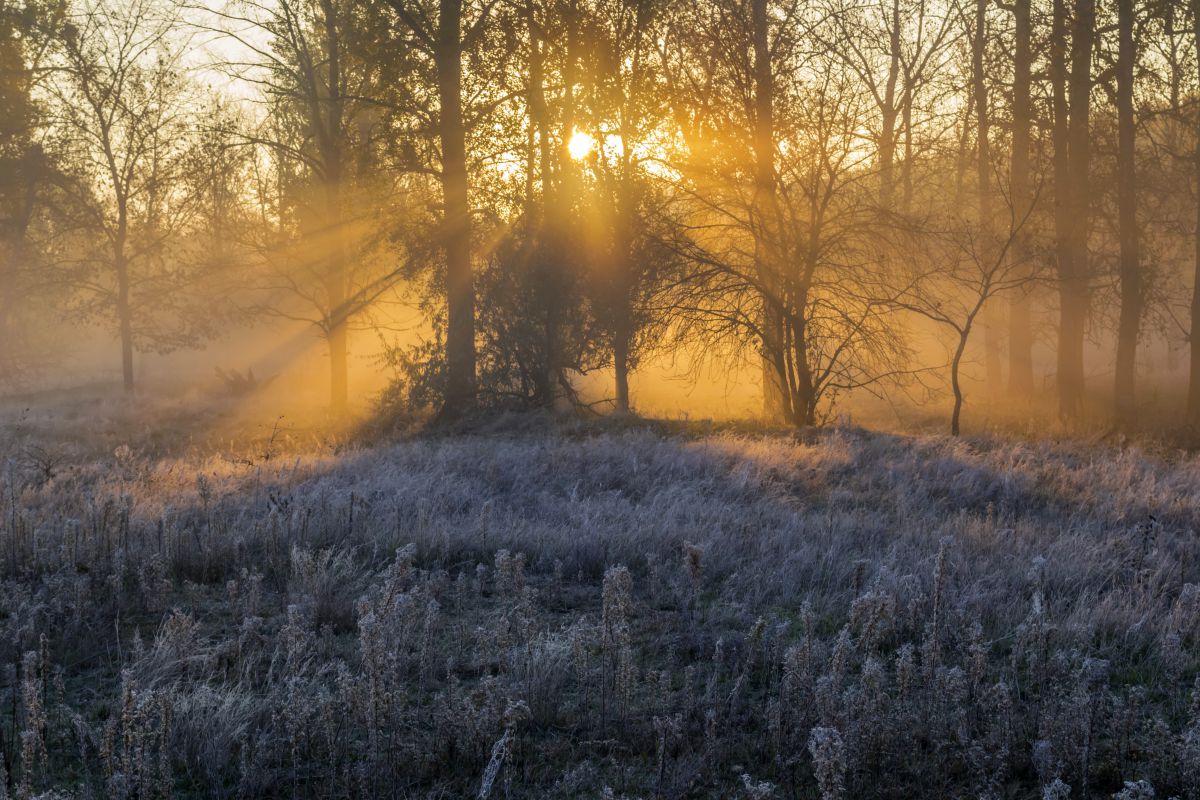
point(600, 398)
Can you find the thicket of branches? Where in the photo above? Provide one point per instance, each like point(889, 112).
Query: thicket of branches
point(565, 186)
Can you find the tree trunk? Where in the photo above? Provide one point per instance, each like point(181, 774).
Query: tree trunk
point(622, 289)
point(887, 159)
point(774, 383)
point(460, 290)
point(538, 115)
point(906, 171)
point(983, 168)
point(124, 308)
point(1062, 192)
point(1071, 163)
point(1020, 345)
point(125, 324)
point(12, 251)
point(8, 294)
point(1193, 409)
point(1080, 160)
point(627, 277)
point(890, 114)
point(955, 384)
point(960, 152)
point(1020, 318)
point(339, 392)
point(1130, 269)
point(335, 284)
point(544, 220)
point(332, 143)
point(621, 368)
point(546, 383)
point(804, 402)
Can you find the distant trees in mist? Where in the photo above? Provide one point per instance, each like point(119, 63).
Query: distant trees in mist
point(570, 186)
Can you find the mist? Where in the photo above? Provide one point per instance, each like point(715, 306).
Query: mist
point(668, 210)
point(613, 399)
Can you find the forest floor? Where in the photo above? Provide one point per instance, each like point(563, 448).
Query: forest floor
point(203, 602)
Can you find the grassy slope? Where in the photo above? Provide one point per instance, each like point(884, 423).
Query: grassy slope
point(296, 615)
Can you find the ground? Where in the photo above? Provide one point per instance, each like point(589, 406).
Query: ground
point(201, 601)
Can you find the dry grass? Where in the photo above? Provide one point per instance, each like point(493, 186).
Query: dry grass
point(582, 613)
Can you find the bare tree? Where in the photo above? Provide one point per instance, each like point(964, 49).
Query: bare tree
point(1073, 28)
point(978, 34)
point(896, 49)
point(964, 270)
point(319, 88)
point(1020, 328)
point(1130, 267)
point(781, 252)
point(125, 114)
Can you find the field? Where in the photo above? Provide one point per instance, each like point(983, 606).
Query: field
point(559, 609)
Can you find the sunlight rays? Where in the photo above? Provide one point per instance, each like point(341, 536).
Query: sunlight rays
point(581, 145)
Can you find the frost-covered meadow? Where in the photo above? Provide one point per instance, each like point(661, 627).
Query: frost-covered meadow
point(564, 610)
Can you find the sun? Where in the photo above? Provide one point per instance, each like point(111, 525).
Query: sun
point(581, 145)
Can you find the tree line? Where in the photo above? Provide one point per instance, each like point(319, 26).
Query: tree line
point(570, 186)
